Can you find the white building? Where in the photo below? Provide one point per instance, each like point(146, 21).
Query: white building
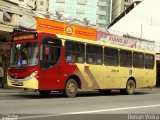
point(42, 5)
point(98, 11)
point(118, 6)
point(39, 5)
point(142, 22)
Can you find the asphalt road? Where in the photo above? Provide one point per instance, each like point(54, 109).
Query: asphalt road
point(144, 105)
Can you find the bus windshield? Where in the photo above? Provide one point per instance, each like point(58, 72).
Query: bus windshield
point(24, 54)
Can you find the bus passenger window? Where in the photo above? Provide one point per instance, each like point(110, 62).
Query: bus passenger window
point(125, 58)
point(138, 60)
point(74, 52)
point(80, 59)
point(149, 61)
point(90, 60)
point(94, 54)
point(70, 57)
point(99, 61)
point(111, 56)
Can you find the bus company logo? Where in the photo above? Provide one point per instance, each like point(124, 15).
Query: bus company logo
point(69, 30)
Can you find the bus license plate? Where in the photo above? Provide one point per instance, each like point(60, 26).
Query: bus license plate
point(17, 83)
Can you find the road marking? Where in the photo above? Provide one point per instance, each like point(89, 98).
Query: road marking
point(113, 109)
point(88, 112)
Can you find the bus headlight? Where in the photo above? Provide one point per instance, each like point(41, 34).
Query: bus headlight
point(32, 75)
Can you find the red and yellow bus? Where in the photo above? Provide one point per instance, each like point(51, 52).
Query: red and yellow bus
point(51, 62)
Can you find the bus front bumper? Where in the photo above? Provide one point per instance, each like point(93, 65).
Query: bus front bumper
point(30, 84)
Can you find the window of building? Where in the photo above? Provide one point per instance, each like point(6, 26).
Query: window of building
point(102, 17)
point(125, 58)
point(41, 2)
point(82, 2)
point(138, 60)
point(94, 54)
point(111, 56)
point(102, 0)
point(125, 7)
point(7, 16)
point(127, 0)
point(60, 1)
point(102, 8)
point(80, 11)
point(74, 52)
point(60, 8)
point(149, 61)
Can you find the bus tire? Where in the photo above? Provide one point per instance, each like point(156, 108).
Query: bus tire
point(130, 87)
point(71, 88)
point(44, 92)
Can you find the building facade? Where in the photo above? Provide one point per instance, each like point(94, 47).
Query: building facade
point(13, 14)
point(118, 6)
point(98, 11)
point(39, 5)
point(8, 21)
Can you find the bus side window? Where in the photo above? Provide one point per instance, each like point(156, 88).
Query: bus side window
point(99, 55)
point(94, 54)
point(125, 58)
point(138, 60)
point(74, 51)
point(111, 56)
point(149, 61)
point(90, 54)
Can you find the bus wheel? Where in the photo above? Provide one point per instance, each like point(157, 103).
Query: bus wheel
point(44, 92)
point(71, 88)
point(130, 87)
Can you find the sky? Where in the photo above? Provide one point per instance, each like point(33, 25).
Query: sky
point(143, 21)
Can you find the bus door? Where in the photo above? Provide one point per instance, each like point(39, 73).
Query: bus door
point(50, 58)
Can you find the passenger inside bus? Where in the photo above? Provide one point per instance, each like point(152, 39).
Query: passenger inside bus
point(46, 53)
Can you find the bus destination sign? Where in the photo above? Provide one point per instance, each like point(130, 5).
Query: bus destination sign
point(28, 36)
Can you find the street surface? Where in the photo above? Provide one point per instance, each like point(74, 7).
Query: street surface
point(18, 104)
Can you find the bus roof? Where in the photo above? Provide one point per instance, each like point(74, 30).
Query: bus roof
point(90, 41)
point(102, 43)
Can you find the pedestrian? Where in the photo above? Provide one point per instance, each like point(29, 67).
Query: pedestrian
point(1, 76)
